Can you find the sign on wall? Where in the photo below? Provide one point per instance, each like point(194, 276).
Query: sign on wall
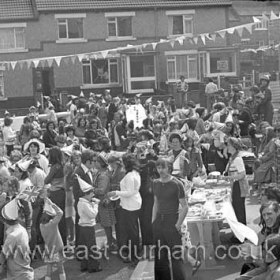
point(222, 65)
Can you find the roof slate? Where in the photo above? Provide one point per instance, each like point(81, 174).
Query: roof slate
point(59, 5)
point(16, 9)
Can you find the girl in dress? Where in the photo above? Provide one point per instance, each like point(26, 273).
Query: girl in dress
point(52, 214)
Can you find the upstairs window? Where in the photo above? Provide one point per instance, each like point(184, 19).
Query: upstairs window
point(180, 22)
point(12, 38)
point(70, 27)
point(119, 25)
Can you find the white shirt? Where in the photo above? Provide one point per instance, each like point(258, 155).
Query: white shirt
point(211, 88)
point(87, 171)
point(129, 193)
point(87, 211)
point(237, 166)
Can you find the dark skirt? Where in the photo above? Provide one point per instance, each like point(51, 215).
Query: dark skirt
point(238, 203)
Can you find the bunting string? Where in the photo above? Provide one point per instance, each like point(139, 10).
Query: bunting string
point(200, 38)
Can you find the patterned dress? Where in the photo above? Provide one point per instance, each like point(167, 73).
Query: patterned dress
point(106, 212)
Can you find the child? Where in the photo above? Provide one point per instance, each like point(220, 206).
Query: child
point(87, 210)
point(15, 251)
point(52, 214)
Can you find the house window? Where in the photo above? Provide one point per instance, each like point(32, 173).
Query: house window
point(180, 22)
point(119, 25)
point(261, 44)
point(182, 65)
point(12, 39)
point(2, 92)
point(70, 27)
point(100, 71)
point(262, 25)
point(222, 62)
point(141, 73)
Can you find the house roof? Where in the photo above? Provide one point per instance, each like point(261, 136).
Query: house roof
point(249, 8)
point(70, 5)
point(16, 10)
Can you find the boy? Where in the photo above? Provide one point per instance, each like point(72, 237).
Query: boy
point(15, 251)
point(87, 210)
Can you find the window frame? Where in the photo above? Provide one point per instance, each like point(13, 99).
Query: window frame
point(171, 56)
point(117, 15)
point(186, 15)
point(66, 17)
point(88, 62)
point(15, 26)
point(226, 74)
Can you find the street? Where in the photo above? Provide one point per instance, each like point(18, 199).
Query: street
point(114, 268)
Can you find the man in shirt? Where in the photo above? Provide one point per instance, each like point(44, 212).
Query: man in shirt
point(210, 89)
point(167, 220)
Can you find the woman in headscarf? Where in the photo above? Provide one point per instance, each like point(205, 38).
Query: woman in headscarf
point(237, 174)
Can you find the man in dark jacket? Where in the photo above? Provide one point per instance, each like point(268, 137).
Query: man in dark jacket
point(245, 118)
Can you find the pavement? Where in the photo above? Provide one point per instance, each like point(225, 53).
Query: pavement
point(115, 269)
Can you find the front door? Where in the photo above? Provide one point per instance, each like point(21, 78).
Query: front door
point(43, 82)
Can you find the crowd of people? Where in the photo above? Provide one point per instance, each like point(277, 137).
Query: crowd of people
point(59, 179)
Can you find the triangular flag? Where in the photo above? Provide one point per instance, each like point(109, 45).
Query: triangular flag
point(195, 39)
point(213, 36)
point(222, 33)
point(50, 62)
point(249, 27)
point(180, 40)
point(58, 60)
point(172, 43)
point(255, 19)
point(202, 37)
point(162, 40)
point(80, 57)
point(36, 62)
point(145, 45)
point(104, 53)
point(239, 31)
point(265, 17)
point(230, 30)
point(13, 64)
point(273, 15)
point(28, 62)
point(73, 59)
point(154, 45)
